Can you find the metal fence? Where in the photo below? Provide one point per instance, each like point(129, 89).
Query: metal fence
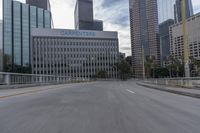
point(181, 82)
point(18, 78)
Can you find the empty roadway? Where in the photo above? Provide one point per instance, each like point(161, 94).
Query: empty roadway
point(99, 107)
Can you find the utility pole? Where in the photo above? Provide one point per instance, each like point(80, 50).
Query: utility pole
point(143, 61)
point(185, 39)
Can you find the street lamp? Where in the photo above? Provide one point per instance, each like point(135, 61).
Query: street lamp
point(185, 39)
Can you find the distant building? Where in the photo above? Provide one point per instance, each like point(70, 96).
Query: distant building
point(176, 38)
point(74, 53)
point(165, 10)
point(18, 21)
point(44, 4)
point(122, 56)
point(177, 10)
point(164, 40)
point(83, 15)
point(129, 60)
point(144, 33)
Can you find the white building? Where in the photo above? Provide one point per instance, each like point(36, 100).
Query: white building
point(74, 53)
point(193, 33)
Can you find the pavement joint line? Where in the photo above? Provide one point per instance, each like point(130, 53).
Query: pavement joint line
point(130, 91)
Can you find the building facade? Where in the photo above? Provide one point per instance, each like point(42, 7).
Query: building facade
point(84, 18)
point(176, 38)
point(165, 10)
point(18, 20)
point(144, 33)
point(44, 4)
point(177, 10)
point(74, 53)
point(164, 40)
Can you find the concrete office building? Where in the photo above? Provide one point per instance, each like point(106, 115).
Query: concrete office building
point(164, 40)
point(1, 46)
point(144, 33)
point(44, 4)
point(193, 32)
point(84, 18)
point(18, 20)
point(74, 53)
point(177, 10)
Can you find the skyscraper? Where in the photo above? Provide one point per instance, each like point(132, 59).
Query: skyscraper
point(165, 10)
point(83, 15)
point(177, 10)
point(144, 33)
point(18, 20)
point(165, 40)
point(44, 4)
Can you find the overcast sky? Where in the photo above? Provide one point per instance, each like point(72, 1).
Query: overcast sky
point(114, 13)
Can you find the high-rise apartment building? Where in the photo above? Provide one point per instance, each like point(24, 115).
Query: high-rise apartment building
point(84, 19)
point(44, 4)
point(144, 33)
point(177, 10)
point(18, 20)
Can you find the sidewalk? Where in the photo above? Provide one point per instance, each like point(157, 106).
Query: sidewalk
point(195, 93)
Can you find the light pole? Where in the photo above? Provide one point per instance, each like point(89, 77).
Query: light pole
point(185, 39)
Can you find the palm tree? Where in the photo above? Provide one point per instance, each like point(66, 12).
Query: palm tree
point(196, 65)
point(150, 65)
point(174, 66)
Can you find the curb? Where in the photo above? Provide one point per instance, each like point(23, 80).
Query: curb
point(170, 91)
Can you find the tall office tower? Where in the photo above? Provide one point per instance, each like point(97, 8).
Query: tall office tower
point(165, 10)
point(144, 33)
point(165, 40)
point(83, 15)
point(44, 4)
point(18, 20)
point(177, 10)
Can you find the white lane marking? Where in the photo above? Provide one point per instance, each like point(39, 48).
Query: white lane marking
point(130, 91)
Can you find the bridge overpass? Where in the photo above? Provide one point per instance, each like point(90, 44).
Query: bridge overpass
point(97, 107)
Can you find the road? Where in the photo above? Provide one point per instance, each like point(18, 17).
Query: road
point(99, 107)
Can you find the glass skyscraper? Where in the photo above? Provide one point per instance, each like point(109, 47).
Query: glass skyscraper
point(18, 20)
point(165, 10)
point(83, 15)
point(177, 10)
point(44, 4)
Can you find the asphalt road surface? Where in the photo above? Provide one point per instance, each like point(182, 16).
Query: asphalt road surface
point(99, 107)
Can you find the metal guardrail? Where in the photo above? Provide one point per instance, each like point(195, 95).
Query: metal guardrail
point(181, 82)
point(18, 78)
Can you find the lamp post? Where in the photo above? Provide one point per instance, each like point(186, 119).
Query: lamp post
point(185, 39)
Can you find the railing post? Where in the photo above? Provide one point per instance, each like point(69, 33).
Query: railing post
point(7, 79)
point(40, 79)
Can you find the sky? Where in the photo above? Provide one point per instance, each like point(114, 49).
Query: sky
point(114, 13)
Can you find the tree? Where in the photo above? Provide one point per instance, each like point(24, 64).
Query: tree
point(124, 69)
point(102, 74)
point(195, 66)
point(175, 66)
point(150, 66)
